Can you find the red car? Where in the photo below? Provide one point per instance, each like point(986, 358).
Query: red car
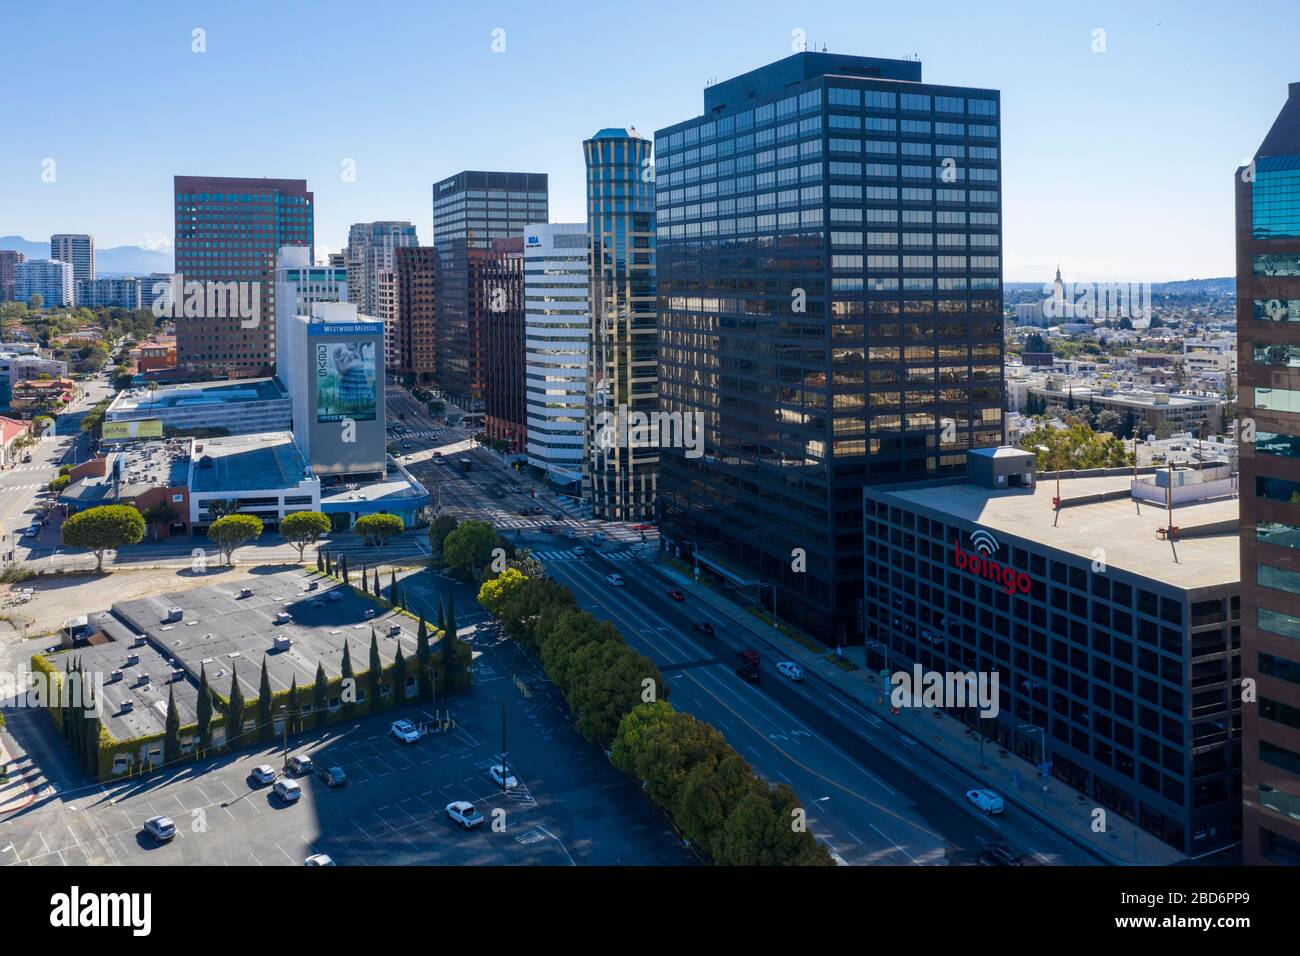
point(643, 527)
point(677, 595)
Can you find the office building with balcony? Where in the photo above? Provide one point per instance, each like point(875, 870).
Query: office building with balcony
point(51, 279)
point(830, 306)
point(78, 249)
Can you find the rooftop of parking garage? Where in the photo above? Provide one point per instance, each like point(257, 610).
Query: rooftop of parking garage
point(247, 463)
point(223, 632)
point(135, 402)
point(1099, 521)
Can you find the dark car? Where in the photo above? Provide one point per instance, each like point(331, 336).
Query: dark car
point(676, 595)
point(705, 628)
point(747, 665)
point(333, 776)
point(998, 854)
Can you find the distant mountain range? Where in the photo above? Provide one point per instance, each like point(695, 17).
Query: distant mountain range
point(109, 262)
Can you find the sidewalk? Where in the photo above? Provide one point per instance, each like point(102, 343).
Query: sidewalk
point(1061, 807)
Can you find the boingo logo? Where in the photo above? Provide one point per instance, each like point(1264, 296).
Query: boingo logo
point(980, 563)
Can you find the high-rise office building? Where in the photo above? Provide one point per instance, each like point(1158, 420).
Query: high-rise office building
point(78, 249)
point(417, 287)
point(370, 248)
point(229, 230)
point(1268, 355)
point(471, 209)
point(621, 461)
point(9, 259)
point(501, 284)
point(386, 311)
point(830, 311)
point(556, 321)
point(49, 278)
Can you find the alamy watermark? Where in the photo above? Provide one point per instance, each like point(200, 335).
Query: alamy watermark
point(208, 300)
point(959, 689)
point(624, 429)
point(78, 690)
point(1097, 300)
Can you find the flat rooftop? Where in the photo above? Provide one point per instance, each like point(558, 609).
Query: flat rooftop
point(247, 463)
point(193, 394)
point(396, 487)
point(224, 633)
point(157, 463)
point(1127, 534)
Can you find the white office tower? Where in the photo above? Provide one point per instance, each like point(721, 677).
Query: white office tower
point(555, 348)
point(370, 250)
point(299, 285)
point(77, 249)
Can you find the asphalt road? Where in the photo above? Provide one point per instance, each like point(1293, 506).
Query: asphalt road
point(875, 795)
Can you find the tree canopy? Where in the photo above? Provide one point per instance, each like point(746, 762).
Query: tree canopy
point(102, 528)
point(232, 531)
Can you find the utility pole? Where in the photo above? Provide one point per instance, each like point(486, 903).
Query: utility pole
point(284, 721)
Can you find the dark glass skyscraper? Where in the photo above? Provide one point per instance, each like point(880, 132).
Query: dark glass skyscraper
point(471, 209)
point(830, 302)
point(621, 467)
point(1268, 350)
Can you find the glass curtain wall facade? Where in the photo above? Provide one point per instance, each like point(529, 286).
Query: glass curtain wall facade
point(1268, 334)
point(621, 467)
point(471, 209)
point(830, 302)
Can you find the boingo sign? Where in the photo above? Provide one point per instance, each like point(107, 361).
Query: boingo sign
point(981, 565)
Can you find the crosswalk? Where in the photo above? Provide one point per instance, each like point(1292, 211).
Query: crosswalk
point(39, 484)
point(570, 556)
point(29, 468)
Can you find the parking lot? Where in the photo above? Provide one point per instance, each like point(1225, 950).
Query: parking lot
point(571, 807)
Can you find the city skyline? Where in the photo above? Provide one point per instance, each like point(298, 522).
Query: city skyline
point(1088, 119)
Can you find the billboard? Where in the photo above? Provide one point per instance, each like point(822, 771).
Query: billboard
point(139, 428)
point(346, 381)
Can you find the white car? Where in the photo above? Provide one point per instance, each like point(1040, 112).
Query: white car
point(463, 812)
point(262, 775)
point(615, 579)
point(502, 777)
point(160, 828)
point(287, 790)
point(790, 669)
point(405, 731)
point(320, 859)
point(301, 765)
point(990, 801)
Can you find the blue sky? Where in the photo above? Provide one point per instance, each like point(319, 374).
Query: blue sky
point(1116, 164)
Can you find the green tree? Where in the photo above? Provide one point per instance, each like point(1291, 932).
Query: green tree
point(349, 688)
point(375, 673)
point(399, 675)
point(265, 719)
point(469, 548)
point(608, 679)
point(320, 697)
point(294, 715)
point(172, 729)
point(303, 528)
point(235, 712)
point(99, 529)
point(439, 528)
point(377, 529)
point(232, 531)
point(1075, 447)
point(159, 516)
point(203, 710)
point(423, 657)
